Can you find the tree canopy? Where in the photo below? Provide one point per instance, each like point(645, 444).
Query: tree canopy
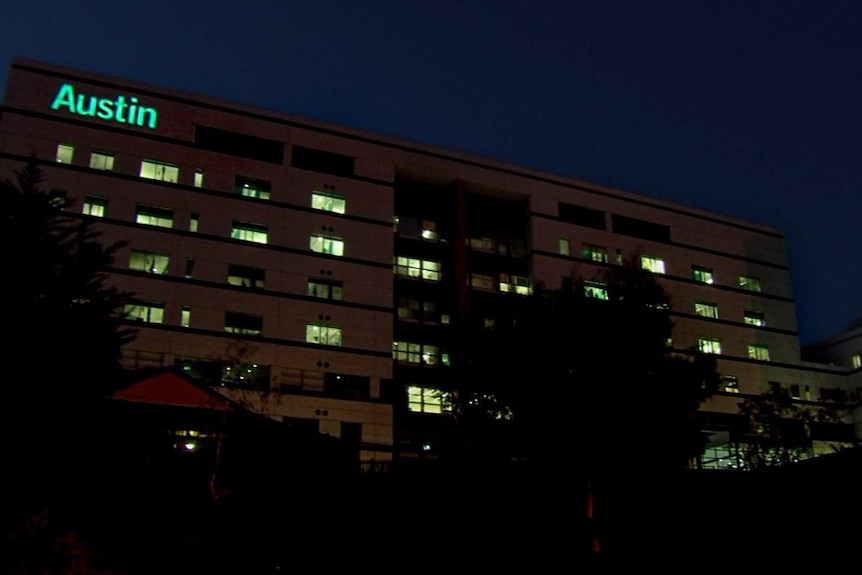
point(63, 349)
point(585, 374)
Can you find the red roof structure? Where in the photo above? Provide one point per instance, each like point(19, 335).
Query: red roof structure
point(169, 388)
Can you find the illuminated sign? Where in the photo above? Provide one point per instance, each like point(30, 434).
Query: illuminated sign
point(122, 109)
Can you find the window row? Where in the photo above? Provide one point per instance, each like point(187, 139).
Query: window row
point(234, 322)
point(237, 275)
point(749, 316)
point(417, 228)
point(245, 231)
point(653, 264)
point(325, 200)
point(713, 345)
point(505, 283)
point(419, 354)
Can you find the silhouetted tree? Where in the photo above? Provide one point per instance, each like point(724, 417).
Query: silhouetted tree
point(779, 430)
point(586, 385)
point(64, 331)
point(587, 378)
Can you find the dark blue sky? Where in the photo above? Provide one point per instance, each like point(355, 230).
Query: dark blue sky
point(750, 109)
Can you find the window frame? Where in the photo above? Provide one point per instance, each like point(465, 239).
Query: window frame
point(326, 245)
point(154, 257)
point(650, 262)
point(594, 253)
point(149, 308)
point(754, 317)
point(711, 309)
point(249, 232)
point(418, 269)
point(330, 285)
point(234, 320)
point(710, 345)
point(106, 157)
point(157, 216)
point(167, 170)
point(702, 274)
point(328, 334)
point(750, 283)
point(252, 187)
point(758, 352)
point(430, 400)
point(320, 200)
point(93, 204)
point(246, 276)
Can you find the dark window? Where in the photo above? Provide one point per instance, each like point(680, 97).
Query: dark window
point(347, 386)
point(320, 161)
point(252, 187)
point(237, 144)
point(326, 289)
point(827, 394)
point(794, 391)
point(582, 216)
point(243, 323)
point(245, 276)
point(640, 228)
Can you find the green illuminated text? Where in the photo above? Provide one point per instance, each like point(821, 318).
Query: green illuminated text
point(122, 109)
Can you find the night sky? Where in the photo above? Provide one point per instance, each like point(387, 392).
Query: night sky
point(749, 109)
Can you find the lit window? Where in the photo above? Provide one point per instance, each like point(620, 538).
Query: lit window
point(760, 352)
point(328, 202)
point(480, 281)
point(186, 316)
point(483, 244)
point(155, 216)
point(148, 312)
point(753, 317)
point(420, 269)
point(154, 170)
point(519, 284)
point(252, 188)
point(597, 290)
point(325, 289)
point(595, 253)
point(564, 246)
point(248, 232)
point(653, 264)
point(429, 231)
point(102, 161)
point(709, 345)
point(408, 352)
point(326, 245)
point(856, 360)
point(428, 400)
point(245, 276)
point(322, 334)
point(150, 262)
point(749, 283)
point(706, 309)
point(96, 207)
point(243, 323)
point(731, 384)
point(199, 178)
point(65, 153)
point(702, 274)
point(194, 219)
point(58, 199)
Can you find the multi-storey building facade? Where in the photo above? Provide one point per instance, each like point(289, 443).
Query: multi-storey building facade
point(317, 272)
